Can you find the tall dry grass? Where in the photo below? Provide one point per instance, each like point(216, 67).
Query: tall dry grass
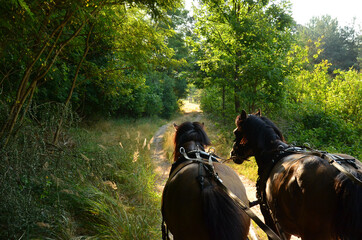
point(99, 184)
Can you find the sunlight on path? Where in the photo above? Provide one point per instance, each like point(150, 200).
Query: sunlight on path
point(189, 107)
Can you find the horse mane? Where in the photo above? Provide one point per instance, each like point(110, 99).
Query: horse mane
point(190, 131)
point(261, 129)
point(275, 128)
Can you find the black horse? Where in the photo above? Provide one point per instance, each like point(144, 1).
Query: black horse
point(194, 206)
point(300, 192)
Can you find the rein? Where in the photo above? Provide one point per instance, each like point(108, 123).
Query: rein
point(200, 157)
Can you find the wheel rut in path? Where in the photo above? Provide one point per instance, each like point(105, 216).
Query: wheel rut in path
point(162, 165)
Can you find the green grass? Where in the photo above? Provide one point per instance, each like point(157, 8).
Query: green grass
point(97, 184)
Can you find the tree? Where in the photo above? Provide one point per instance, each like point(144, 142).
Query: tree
point(339, 45)
point(40, 40)
point(246, 42)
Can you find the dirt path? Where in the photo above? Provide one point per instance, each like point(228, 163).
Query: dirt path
point(162, 165)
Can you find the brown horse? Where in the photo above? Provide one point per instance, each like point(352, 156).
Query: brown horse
point(194, 206)
point(300, 192)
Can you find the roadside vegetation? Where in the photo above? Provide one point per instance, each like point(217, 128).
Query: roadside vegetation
point(97, 184)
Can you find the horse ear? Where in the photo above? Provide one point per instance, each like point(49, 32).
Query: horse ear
point(175, 126)
point(243, 115)
point(258, 113)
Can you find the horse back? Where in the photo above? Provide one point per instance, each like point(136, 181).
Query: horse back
point(302, 192)
point(195, 213)
point(232, 181)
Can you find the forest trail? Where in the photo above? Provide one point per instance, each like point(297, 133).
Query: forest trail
point(163, 165)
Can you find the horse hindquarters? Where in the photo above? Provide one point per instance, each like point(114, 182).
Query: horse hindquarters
point(301, 196)
point(349, 212)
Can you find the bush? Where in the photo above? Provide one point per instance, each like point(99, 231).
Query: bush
point(322, 131)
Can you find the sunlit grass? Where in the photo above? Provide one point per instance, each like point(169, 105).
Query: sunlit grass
point(189, 107)
point(168, 142)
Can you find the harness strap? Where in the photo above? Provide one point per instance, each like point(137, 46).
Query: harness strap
point(164, 229)
point(332, 159)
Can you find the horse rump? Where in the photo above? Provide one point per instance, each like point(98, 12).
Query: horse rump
point(224, 219)
point(349, 213)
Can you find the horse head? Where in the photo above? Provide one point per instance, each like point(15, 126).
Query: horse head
point(254, 134)
point(190, 136)
point(242, 149)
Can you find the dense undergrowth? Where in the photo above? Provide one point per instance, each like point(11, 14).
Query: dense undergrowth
point(97, 183)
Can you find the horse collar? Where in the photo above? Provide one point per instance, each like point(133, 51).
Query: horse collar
point(193, 156)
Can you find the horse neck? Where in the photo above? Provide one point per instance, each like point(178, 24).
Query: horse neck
point(188, 146)
point(265, 156)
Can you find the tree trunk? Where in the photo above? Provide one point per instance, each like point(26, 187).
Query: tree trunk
point(24, 90)
point(236, 99)
point(223, 104)
point(236, 87)
point(57, 131)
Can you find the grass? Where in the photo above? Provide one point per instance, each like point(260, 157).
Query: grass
point(96, 184)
